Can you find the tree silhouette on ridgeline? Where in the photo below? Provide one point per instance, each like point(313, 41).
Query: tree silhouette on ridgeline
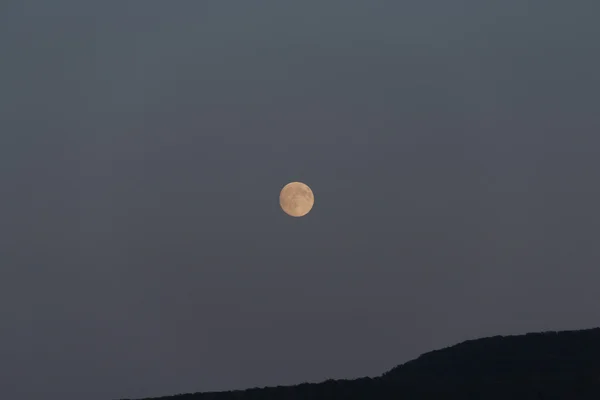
point(536, 366)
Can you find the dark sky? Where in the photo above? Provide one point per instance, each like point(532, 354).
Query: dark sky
point(452, 146)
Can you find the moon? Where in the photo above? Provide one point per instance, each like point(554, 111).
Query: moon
point(296, 199)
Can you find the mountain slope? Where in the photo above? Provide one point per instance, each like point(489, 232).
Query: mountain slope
point(548, 365)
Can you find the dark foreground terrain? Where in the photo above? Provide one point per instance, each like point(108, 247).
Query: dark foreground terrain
point(549, 365)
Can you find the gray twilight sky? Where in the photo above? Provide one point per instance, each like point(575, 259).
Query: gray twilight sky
point(452, 146)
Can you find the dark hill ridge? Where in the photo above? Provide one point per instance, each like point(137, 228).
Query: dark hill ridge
point(547, 365)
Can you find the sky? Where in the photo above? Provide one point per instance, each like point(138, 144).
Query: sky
point(453, 149)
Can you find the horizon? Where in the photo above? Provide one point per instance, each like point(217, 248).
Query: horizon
point(485, 356)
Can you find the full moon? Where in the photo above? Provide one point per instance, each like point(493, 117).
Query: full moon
point(296, 199)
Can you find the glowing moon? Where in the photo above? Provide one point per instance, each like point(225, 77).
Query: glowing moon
point(296, 199)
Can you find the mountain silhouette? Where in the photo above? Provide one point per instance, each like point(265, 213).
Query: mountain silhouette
point(536, 366)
